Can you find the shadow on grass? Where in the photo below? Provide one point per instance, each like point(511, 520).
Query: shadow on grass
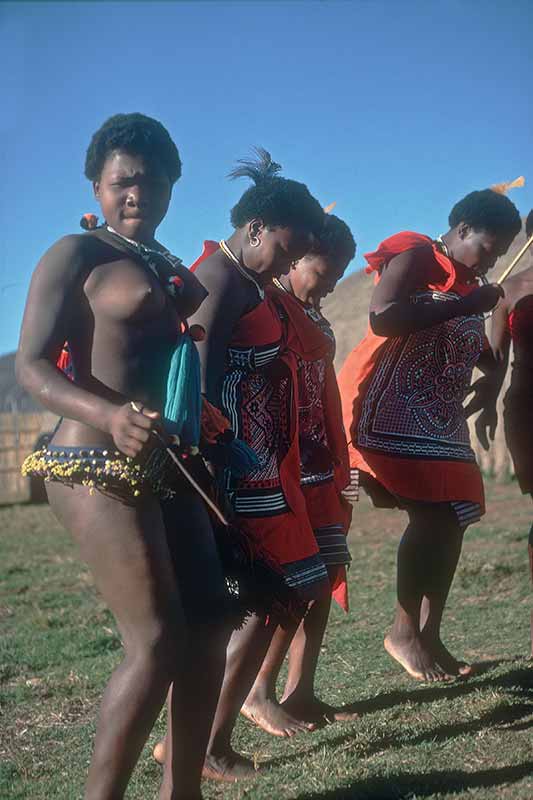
point(517, 683)
point(405, 785)
point(522, 678)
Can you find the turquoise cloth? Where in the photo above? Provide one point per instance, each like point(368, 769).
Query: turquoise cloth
point(183, 399)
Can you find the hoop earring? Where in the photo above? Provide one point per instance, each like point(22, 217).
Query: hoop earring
point(255, 241)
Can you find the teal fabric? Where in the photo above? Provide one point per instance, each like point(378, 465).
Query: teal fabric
point(242, 459)
point(183, 402)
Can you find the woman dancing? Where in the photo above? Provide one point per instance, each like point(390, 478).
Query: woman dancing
point(324, 474)
point(403, 389)
point(245, 372)
point(512, 321)
point(119, 299)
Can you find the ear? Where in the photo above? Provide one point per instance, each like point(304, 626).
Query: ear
point(463, 229)
point(256, 227)
point(96, 189)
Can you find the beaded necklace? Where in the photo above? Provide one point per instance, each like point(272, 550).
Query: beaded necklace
point(310, 311)
point(150, 257)
point(230, 255)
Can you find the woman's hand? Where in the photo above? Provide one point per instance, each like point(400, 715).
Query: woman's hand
point(485, 426)
point(484, 400)
point(132, 428)
point(482, 299)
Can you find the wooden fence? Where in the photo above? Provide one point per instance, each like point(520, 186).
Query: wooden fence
point(19, 433)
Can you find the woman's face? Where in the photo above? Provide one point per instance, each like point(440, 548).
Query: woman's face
point(314, 277)
point(134, 194)
point(273, 251)
point(479, 249)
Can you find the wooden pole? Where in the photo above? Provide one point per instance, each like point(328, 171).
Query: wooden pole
point(505, 274)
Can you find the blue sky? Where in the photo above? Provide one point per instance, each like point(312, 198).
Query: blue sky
point(393, 109)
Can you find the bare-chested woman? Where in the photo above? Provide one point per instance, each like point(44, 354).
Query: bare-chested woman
point(512, 321)
point(119, 298)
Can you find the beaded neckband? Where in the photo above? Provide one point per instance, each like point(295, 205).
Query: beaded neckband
point(230, 255)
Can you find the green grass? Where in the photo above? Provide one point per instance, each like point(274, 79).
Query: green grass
point(467, 739)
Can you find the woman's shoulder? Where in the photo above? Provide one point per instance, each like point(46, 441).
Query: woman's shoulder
point(74, 255)
point(77, 245)
point(517, 288)
point(219, 276)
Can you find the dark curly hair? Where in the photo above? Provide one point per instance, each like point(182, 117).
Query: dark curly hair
point(134, 133)
point(275, 200)
point(529, 224)
point(335, 241)
point(489, 211)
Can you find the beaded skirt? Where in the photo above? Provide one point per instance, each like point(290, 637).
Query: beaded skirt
point(110, 470)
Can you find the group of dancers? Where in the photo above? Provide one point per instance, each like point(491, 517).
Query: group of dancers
point(202, 462)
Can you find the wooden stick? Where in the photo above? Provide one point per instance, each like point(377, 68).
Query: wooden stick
point(214, 508)
point(505, 274)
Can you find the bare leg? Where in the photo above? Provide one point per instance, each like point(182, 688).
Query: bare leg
point(261, 705)
point(245, 654)
point(440, 571)
point(530, 554)
point(405, 643)
point(191, 707)
point(186, 715)
point(299, 695)
point(126, 549)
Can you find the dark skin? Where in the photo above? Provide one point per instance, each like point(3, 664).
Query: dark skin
point(518, 288)
point(310, 280)
point(230, 297)
point(90, 291)
point(431, 546)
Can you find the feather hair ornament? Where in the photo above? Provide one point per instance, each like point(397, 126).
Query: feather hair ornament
point(503, 188)
point(329, 209)
point(260, 169)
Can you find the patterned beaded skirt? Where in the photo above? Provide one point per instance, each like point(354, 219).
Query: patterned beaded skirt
point(109, 470)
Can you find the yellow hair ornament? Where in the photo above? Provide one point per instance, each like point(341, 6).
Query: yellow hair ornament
point(503, 188)
point(329, 209)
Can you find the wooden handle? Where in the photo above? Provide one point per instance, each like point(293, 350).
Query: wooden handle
point(505, 274)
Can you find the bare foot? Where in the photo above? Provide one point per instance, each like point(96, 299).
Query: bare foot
point(273, 719)
point(448, 663)
point(230, 767)
point(312, 709)
point(415, 658)
point(159, 751)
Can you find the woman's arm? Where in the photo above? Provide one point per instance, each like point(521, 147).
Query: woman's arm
point(52, 300)
point(193, 292)
point(219, 313)
point(392, 312)
point(494, 367)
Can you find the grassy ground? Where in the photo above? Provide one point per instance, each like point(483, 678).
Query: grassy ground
point(466, 739)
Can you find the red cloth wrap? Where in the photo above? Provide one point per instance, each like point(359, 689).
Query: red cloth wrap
point(411, 478)
point(286, 537)
point(325, 504)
